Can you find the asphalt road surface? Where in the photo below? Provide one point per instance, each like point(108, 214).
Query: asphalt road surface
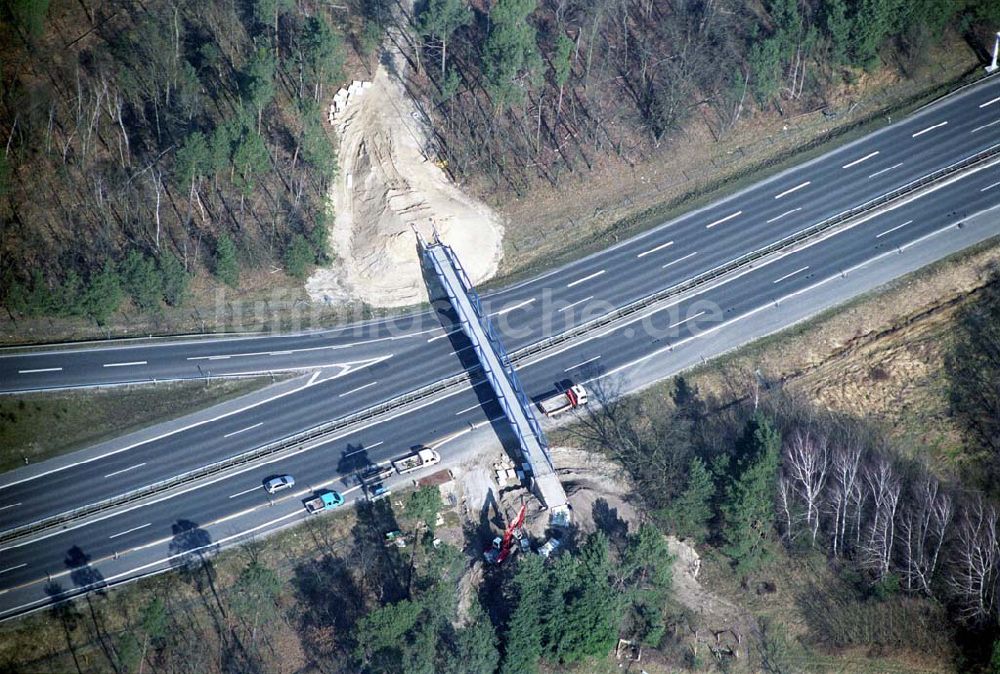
point(367, 363)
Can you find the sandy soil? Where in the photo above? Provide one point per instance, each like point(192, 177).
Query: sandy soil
point(389, 183)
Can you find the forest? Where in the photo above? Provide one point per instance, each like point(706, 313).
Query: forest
point(769, 476)
point(149, 143)
point(145, 142)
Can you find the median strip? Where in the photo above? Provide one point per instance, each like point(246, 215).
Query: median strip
point(299, 440)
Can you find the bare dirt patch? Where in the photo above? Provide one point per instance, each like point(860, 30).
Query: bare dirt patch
point(389, 183)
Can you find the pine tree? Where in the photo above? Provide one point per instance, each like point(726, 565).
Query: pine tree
point(592, 614)
point(749, 504)
point(104, 294)
point(510, 52)
point(227, 267)
point(174, 279)
point(689, 514)
point(838, 28)
point(142, 281)
point(440, 19)
point(322, 54)
point(475, 646)
point(523, 640)
point(298, 257)
point(193, 160)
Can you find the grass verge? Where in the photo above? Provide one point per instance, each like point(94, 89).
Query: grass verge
point(43, 425)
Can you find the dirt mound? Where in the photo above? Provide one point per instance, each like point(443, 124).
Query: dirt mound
point(389, 183)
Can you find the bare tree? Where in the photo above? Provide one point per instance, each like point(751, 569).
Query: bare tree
point(846, 492)
point(923, 527)
point(807, 462)
point(785, 497)
point(974, 571)
point(883, 488)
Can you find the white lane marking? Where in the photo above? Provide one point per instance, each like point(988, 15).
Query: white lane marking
point(509, 309)
point(364, 448)
point(468, 409)
point(858, 161)
point(346, 367)
point(680, 259)
point(573, 367)
point(585, 278)
point(573, 304)
point(247, 491)
point(128, 531)
point(248, 428)
point(722, 220)
point(134, 362)
point(893, 229)
point(653, 250)
point(989, 187)
point(990, 102)
point(685, 320)
point(445, 334)
point(985, 126)
point(790, 275)
point(12, 505)
point(929, 128)
point(41, 369)
point(13, 568)
point(797, 187)
point(308, 447)
point(885, 170)
point(125, 470)
point(280, 353)
point(355, 390)
point(775, 219)
point(312, 379)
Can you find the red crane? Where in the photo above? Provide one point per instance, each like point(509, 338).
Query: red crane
point(502, 546)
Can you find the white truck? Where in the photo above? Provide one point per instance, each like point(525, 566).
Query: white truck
point(419, 459)
point(568, 399)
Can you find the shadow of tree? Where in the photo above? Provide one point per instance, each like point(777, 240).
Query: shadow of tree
point(332, 602)
point(190, 551)
point(91, 581)
point(606, 519)
point(382, 567)
point(68, 617)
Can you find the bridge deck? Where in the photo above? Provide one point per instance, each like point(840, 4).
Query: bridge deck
point(502, 377)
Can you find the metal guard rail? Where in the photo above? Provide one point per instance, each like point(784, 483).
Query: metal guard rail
point(520, 354)
point(751, 257)
point(234, 461)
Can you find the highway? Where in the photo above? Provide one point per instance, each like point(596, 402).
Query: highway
point(368, 363)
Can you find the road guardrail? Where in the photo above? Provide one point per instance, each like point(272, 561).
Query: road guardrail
point(299, 439)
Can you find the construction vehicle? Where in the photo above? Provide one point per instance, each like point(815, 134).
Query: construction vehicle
point(324, 499)
point(502, 546)
point(419, 459)
point(567, 399)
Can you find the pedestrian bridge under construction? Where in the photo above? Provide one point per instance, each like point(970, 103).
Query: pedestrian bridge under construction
point(497, 367)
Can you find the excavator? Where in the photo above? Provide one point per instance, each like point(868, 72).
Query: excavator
point(502, 547)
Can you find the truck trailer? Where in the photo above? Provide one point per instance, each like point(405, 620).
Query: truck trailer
point(568, 399)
